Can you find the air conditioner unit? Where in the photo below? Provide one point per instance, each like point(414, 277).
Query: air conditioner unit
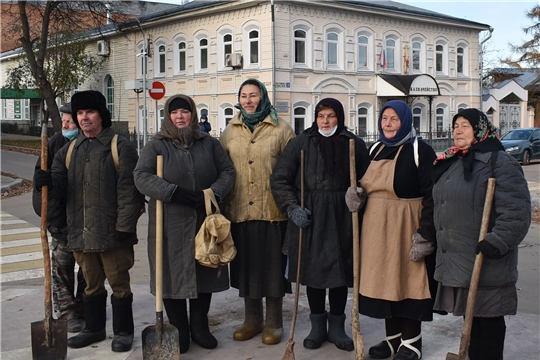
point(233, 60)
point(102, 48)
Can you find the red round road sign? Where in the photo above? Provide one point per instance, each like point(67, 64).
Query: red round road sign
point(157, 91)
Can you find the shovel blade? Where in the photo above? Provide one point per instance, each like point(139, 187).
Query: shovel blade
point(452, 356)
point(49, 341)
point(161, 345)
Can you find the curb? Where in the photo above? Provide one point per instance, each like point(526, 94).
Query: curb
point(15, 183)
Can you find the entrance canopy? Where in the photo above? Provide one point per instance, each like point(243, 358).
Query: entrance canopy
point(407, 85)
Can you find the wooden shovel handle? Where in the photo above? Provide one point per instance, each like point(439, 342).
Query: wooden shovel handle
point(159, 241)
point(44, 213)
point(475, 278)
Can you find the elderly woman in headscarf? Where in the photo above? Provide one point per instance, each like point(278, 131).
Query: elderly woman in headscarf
point(192, 161)
point(396, 273)
point(254, 139)
point(327, 256)
point(461, 175)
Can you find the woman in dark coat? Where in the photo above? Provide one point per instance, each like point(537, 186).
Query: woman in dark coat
point(461, 174)
point(193, 161)
point(396, 277)
point(327, 242)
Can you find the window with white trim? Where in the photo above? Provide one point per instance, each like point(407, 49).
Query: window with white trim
point(142, 62)
point(334, 48)
point(417, 118)
point(228, 114)
point(440, 116)
point(363, 114)
point(254, 47)
point(203, 54)
point(418, 59)
point(300, 46)
point(363, 43)
point(299, 119)
point(390, 54)
point(441, 58)
point(109, 94)
point(161, 59)
point(462, 59)
point(250, 46)
point(225, 47)
point(180, 55)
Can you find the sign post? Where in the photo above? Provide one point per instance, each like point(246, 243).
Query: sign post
point(157, 92)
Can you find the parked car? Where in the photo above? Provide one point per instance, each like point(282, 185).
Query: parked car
point(523, 144)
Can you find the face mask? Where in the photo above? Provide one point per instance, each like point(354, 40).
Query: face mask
point(70, 134)
point(328, 133)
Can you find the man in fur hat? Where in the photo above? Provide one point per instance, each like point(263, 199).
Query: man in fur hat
point(103, 206)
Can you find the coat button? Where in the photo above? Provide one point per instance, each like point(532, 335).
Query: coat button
point(87, 160)
point(253, 141)
point(251, 203)
point(250, 162)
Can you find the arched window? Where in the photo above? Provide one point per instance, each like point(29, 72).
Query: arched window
point(439, 52)
point(300, 46)
point(362, 121)
point(440, 121)
point(254, 47)
point(142, 61)
point(161, 55)
point(299, 119)
point(228, 114)
point(109, 94)
point(417, 60)
point(227, 44)
point(203, 53)
point(182, 56)
point(332, 48)
point(417, 118)
point(363, 43)
point(441, 57)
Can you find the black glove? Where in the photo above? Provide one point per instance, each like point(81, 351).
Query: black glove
point(42, 178)
point(125, 236)
point(299, 216)
point(489, 251)
point(187, 197)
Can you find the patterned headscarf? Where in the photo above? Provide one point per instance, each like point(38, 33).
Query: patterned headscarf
point(263, 109)
point(406, 132)
point(486, 139)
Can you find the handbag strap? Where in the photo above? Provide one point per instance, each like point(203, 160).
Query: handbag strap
point(209, 199)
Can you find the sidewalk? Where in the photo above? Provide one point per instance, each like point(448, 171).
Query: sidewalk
point(22, 304)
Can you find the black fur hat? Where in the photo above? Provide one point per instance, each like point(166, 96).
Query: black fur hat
point(91, 99)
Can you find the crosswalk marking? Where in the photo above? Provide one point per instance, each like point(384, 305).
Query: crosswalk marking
point(21, 254)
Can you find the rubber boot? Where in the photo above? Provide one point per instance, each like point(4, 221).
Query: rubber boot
point(96, 317)
point(177, 314)
point(253, 322)
point(198, 313)
point(273, 329)
point(336, 332)
point(318, 333)
point(122, 323)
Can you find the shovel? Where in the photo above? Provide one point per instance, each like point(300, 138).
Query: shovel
point(357, 336)
point(160, 341)
point(289, 350)
point(471, 299)
point(49, 336)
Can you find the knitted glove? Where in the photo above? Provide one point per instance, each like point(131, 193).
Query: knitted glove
point(420, 248)
point(489, 251)
point(42, 178)
point(299, 216)
point(355, 199)
point(187, 197)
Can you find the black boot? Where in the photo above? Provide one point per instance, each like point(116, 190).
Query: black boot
point(177, 314)
point(386, 348)
point(198, 321)
point(410, 349)
point(336, 332)
point(96, 317)
point(122, 323)
point(318, 333)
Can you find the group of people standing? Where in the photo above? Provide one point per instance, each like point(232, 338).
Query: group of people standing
point(419, 236)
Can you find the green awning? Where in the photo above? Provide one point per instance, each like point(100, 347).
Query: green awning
point(19, 94)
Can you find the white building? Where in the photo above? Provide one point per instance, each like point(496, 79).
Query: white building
point(362, 53)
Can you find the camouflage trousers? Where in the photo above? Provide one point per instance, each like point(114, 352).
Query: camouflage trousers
point(68, 303)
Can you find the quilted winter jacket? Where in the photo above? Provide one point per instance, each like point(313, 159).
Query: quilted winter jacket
point(101, 200)
point(254, 155)
point(458, 208)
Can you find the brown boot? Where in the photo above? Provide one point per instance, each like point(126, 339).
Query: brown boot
point(253, 323)
point(273, 329)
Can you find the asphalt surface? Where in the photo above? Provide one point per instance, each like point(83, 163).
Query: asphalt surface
point(22, 303)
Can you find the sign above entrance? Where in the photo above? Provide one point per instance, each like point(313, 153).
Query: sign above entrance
point(407, 85)
point(424, 85)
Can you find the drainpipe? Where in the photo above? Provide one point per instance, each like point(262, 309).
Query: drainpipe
point(273, 55)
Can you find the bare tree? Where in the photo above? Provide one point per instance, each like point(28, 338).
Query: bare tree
point(52, 35)
point(529, 52)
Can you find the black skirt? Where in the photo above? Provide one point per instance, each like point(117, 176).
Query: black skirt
point(259, 267)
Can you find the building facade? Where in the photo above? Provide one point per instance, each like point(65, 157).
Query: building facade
point(357, 52)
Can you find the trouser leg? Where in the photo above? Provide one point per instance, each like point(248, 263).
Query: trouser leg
point(63, 281)
point(177, 314)
point(489, 335)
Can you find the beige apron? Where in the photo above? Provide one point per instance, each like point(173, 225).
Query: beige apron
point(386, 272)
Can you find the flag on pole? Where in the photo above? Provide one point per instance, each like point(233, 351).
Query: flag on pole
point(406, 60)
point(383, 59)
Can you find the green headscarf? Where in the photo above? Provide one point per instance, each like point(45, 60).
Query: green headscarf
point(263, 109)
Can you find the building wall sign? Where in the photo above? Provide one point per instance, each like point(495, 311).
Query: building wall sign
point(424, 85)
